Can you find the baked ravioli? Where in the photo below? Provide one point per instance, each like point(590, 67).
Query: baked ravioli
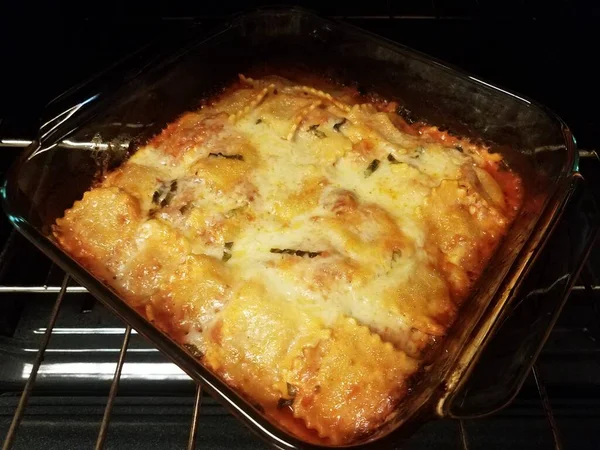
point(308, 246)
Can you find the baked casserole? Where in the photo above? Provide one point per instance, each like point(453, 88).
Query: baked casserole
point(306, 243)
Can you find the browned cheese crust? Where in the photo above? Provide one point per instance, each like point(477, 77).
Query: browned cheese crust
point(310, 248)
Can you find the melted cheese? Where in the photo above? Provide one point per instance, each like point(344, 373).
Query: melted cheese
point(258, 339)
point(99, 228)
point(355, 372)
point(307, 249)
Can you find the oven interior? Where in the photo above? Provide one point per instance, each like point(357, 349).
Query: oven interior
point(31, 286)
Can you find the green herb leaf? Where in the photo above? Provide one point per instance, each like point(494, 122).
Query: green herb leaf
point(314, 129)
point(292, 390)
point(337, 126)
point(372, 168)
point(222, 155)
point(227, 251)
point(293, 252)
point(418, 152)
point(156, 196)
point(392, 160)
point(164, 194)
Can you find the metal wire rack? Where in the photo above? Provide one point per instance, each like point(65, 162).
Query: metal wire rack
point(69, 288)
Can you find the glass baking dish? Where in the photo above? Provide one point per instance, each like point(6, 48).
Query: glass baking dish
point(98, 124)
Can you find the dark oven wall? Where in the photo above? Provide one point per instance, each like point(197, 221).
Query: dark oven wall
point(544, 50)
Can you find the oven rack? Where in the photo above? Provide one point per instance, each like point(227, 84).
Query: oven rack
point(66, 288)
point(69, 287)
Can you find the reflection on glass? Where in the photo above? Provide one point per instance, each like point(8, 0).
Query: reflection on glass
point(59, 330)
point(501, 90)
point(106, 371)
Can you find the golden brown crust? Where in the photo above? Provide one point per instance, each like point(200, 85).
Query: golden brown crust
point(310, 246)
point(350, 383)
point(98, 227)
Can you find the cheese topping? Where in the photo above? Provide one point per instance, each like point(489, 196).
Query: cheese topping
point(310, 248)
